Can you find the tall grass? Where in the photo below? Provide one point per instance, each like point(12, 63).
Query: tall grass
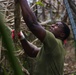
point(5, 33)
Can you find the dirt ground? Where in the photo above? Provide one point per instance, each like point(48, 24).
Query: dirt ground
point(70, 62)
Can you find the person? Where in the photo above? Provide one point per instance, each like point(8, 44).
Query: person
point(50, 57)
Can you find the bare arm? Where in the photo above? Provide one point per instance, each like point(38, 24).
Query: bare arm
point(31, 21)
point(29, 48)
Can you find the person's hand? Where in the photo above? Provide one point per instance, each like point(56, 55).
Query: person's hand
point(20, 35)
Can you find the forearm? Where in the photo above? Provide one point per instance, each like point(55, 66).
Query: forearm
point(31, 20)
point(29, 48)
point(28, 15)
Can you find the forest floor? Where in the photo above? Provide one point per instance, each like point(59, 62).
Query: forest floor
point(70, 62)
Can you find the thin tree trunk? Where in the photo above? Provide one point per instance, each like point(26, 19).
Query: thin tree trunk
point(43, 15)
point(17, 19)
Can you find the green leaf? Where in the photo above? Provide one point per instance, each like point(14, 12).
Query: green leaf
point(59, 3)
point(40, 3)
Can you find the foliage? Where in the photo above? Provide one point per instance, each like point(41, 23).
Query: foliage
point(40, 3)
